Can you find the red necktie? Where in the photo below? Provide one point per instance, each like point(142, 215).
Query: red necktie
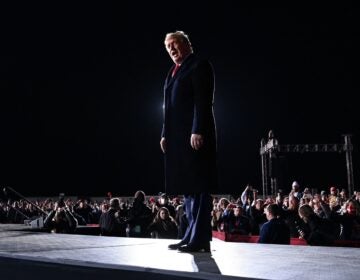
point(177, 66)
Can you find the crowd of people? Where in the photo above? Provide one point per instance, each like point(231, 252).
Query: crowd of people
point(319, 218)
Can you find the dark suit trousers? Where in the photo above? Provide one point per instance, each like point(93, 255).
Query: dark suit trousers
point(198, 213)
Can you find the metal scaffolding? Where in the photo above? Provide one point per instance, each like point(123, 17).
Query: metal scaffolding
point(270, 150)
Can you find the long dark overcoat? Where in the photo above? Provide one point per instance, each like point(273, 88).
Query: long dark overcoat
point(188, 109)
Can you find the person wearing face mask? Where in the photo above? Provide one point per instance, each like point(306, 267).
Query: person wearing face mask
point(188, 139)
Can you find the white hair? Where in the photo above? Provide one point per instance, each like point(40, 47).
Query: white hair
point(180, 35)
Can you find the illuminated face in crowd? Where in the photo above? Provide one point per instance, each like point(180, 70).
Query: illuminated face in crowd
point(177, 48)
point(351, 209)
point(259, 204)
point(163, 215)
point(237, 211)
point(268, 214)
point(223, 203)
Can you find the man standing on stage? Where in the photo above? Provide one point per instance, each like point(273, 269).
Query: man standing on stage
point(189, 139)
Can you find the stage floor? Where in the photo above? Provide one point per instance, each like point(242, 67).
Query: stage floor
point(243, 260)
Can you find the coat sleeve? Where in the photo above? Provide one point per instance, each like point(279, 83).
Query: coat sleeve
point(264, 234)
point(163, 131)
point(203, 86)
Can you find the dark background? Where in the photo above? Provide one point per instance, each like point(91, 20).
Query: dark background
point(81, 91)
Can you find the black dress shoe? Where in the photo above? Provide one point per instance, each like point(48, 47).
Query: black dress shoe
point(176, 246)
point(195, 248)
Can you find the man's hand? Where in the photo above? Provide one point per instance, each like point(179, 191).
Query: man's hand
point(196, 141)
point(163, 144)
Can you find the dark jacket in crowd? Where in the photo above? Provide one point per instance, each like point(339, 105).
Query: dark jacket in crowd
point(321, 232)
point(163, 229)
point(85, 213)
point(111, 225)
point(351, 226)
point(238, 224)
point(257, 219)
point(139, 219)
point(274, 231)
point(292, 220)
point(2, 216)
point(61, 221)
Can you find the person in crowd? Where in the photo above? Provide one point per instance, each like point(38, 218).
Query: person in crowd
point(163, 201)
point(248, 195)
point(217, 222)
point(324, 196)
point(3, 212)
point(334, 201)
point(257, 216)
point(237, 222)
point(343, 197)
point(291, 215)
point(285, 204)
point(318, 209)
point(180, 219)
point(295, 189)
point(83, 209)
point(349, 218)
point(356, 196)
point(163, 226)
point(274, 231)
point(176, 201)
point(104, 207)
point(317, 231)
point(110, 222)
point(307, 194)
point(139, 217)
point(71, 206)
point(279, 200)
point(60, 219)
point(16, 213)
point(151, 202)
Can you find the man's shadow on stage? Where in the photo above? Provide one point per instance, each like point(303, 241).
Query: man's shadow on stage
point(205, 263)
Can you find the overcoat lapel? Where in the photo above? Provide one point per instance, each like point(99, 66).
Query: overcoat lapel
point(170, 80)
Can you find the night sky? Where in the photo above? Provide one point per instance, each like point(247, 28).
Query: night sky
point(81, 92)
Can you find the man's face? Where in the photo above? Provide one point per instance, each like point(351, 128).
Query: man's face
point(177, 49)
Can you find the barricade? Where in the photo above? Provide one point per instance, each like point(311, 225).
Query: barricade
point(233, 237)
